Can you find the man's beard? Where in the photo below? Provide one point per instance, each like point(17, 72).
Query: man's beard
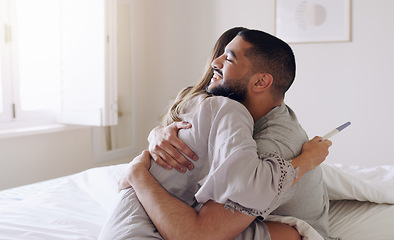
point(236, 92)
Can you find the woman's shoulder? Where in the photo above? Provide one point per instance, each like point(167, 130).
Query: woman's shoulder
point(225, 106)
point(215, 105)
point(215, 101)
point(224, 102)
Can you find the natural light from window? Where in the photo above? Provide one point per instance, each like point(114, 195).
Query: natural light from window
point(39, 53)
point(57, 62)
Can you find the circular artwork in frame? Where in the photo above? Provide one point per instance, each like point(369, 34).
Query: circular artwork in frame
point(301, 21)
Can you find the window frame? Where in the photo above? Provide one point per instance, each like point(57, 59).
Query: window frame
point(35, 121)
point(14, 117)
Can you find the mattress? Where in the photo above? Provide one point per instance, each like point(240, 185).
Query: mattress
point(76, 206)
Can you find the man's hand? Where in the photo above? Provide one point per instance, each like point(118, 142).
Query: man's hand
point(165, 147)
point(142, 161)
point(316, 150)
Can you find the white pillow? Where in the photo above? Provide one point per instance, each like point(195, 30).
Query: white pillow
point(359, 183)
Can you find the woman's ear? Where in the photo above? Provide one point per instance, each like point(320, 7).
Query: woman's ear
point(262, 81)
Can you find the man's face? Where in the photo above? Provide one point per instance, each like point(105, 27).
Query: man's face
point(231, 71)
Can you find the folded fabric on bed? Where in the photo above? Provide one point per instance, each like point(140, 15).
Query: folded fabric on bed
point(373, 184)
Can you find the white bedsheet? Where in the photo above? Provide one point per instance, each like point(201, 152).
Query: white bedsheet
point(73, 207)
point(355, 220)
point(76, 206)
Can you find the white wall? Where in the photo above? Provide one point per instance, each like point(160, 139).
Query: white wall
point(336, 82)
point(34, 158)
point(353, 81)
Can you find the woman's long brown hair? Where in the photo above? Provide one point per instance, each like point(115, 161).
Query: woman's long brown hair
point(173, 114)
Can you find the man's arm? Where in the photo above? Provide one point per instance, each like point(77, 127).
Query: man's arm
point(165, 147)
point(176, 220)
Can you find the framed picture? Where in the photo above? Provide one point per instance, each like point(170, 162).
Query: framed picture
point(299, 21)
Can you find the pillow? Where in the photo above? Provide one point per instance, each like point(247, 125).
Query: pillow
point(359, 183)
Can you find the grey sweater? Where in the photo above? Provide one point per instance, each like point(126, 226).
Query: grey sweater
point(279, 131)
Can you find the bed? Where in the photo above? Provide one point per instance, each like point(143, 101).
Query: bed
point(76, 206)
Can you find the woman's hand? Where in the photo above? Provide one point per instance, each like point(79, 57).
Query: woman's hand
point(141, 162)
point(165, 147)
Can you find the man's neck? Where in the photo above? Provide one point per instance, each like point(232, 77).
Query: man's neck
point(260, 109)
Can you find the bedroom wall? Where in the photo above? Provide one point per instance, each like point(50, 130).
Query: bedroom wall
point(336, 82)
point(34, 158)
point(339, 82)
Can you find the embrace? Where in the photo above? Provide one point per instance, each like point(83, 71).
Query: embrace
point(241, 155)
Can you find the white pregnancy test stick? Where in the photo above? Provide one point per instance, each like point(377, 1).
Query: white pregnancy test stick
point(335, 131)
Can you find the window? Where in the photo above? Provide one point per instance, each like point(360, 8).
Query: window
point(58, 62)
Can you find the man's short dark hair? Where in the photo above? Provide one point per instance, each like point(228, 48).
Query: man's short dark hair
point(271, 55)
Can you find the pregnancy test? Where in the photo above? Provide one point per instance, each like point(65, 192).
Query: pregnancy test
point(335, 131)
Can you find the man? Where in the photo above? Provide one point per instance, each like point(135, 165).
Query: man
point(276, 129)
point(233, 71)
